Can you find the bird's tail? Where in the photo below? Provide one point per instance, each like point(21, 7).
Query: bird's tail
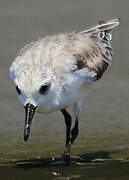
point(103, 26)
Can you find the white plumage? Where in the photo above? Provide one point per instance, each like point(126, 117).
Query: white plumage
point(56, 72)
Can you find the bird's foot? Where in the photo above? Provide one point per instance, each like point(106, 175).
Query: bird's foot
point(66, 158)
point(66, 154)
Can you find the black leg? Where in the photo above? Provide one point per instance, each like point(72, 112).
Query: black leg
point(74, 132)
point(71, 135)
point(68, 120)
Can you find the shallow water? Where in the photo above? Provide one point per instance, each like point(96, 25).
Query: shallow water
point(104, 124)
point(25, 171)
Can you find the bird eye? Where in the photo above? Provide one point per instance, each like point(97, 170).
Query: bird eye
point(43, 90)
point(18, 90)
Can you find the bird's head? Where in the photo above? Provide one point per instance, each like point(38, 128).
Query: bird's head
point(34, 87)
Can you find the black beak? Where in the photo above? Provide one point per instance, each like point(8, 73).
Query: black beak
point(29, 113)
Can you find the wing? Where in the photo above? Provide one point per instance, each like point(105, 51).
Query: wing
point(13, 71)
point(95, 55)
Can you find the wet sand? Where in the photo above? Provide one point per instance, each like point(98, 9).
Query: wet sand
point(104, 124)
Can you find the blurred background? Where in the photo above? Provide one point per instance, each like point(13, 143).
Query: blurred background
point(104, 124)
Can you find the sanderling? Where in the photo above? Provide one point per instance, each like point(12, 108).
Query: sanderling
point(55, 72)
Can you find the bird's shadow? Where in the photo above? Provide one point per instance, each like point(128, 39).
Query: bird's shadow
point(95, 157)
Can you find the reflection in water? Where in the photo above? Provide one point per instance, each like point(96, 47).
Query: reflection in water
point(60, 177)
point(93, 170)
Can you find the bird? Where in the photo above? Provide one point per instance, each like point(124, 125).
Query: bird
point(56, 72)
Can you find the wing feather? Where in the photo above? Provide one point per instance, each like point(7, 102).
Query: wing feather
point(97, 55)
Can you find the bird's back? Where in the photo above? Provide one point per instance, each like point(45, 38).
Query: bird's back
point(72, 52)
